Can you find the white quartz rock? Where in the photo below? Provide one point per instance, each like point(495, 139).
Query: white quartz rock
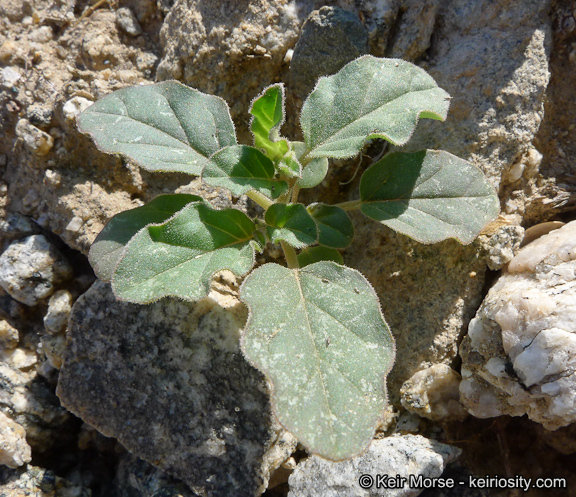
point(520, 353)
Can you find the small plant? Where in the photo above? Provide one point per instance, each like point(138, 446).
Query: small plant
point(315, 327)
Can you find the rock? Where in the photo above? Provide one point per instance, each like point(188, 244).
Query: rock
point(19, 358)
point(54, 347)
point(42, 34)
point(492, 58)
point(169, 382)
point(30, 402)
point(75, 106)
point(230, 49)
point(405, 456)
point(14, 451)
point(75, 224)
point(552, 249)
point(414, 31)
point(38, 482)
point(427, 293)
point(32, 268)
point(14, 225)
point(9, 77)
point(330, 38)
point(35, 139)
point(539, 230)
point(137, 477)
point(9, 335)
point(520, 353)
point(59, 307)
point(499, 248)
point(434, 393)
point(378, 17)
point(39, 116)
point(127, 21)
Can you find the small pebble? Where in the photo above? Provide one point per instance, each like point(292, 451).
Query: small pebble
point(127, 22)
point(35, 139)
point(9, 336)
point(59, 307)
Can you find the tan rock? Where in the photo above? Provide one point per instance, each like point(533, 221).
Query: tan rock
point(433, 393)
point(14, 451)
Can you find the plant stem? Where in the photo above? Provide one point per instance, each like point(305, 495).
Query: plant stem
point(295, 192)
point(290, 255)
point(350, 206)
point(261, 199)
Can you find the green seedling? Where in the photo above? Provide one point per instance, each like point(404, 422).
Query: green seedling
point(315, 327)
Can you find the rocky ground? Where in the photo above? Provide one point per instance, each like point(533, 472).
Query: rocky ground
point(104, 398)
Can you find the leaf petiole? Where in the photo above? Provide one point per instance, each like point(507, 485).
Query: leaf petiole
point(261, 199)
point(290, 255)
point(350, 206)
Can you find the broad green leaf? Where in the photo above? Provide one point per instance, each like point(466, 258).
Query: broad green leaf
point(369, 98)
point(335, 229)
point(267, 117)
point(179, 257)
point(315, 171)
point(291, 223)
point(318, 334)
point(429, 196)
point(310, 255)
point(241, 168)
point(109, 244)
point(163, 127)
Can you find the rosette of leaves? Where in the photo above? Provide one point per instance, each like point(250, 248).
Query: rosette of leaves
point(315, 326)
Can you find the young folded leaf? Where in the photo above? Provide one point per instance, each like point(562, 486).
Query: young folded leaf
point(267, 118)
point(179, 257)
point(320, 337)
point(429, 196)
point(163, 127)
point(369, 98)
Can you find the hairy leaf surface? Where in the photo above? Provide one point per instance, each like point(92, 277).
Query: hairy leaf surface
point(267, 117)
point(335, 229)
point(163, 127)
point(109, 244)
point(315, 171)
point(369, 98)
point(241, 168)
point(179, 257)
point(318, 334)
point(429, 196)
point(291, 223)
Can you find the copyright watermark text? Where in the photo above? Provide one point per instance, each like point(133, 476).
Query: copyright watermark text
point(420, 482)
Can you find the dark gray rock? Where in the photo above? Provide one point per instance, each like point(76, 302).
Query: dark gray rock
point(169, 382)
point(37, 482)
point(137, 477)
point(14, 225)
point(330, 38)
